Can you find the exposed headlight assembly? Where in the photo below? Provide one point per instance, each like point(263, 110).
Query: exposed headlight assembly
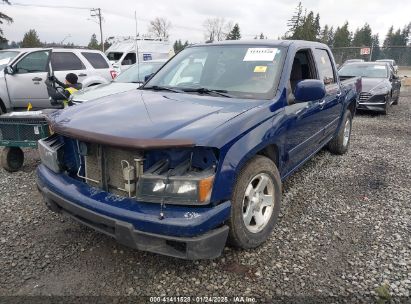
point(50, 152)
point(182, 185)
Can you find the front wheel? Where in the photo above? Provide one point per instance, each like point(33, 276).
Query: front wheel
point(340, 143)
point(256, 203)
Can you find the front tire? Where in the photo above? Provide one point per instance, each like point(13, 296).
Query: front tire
point(340, 143)
point(256, 203)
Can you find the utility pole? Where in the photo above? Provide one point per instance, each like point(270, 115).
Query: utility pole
point(96, 12)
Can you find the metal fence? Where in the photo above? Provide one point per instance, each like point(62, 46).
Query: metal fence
point(401, 54)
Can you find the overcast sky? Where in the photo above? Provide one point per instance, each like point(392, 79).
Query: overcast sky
point(187, 17)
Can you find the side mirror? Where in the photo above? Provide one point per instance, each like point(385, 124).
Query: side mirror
point(9, 70)
point(395, 76)
point(147, 77)
point(309, 90)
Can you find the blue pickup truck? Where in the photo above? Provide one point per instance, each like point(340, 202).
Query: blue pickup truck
point(195, 157)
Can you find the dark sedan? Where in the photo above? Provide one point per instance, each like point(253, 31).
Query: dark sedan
point(380, 86)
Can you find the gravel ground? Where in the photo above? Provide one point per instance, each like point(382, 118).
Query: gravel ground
point(344, 231)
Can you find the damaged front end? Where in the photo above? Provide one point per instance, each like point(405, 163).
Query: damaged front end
point(180, 176)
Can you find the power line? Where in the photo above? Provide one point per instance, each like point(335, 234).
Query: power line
point(50, 6)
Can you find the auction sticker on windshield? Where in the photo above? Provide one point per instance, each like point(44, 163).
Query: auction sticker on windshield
point(260, 54)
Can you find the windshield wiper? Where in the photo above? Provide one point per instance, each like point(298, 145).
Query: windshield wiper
point(209, 91)
point(161, 88)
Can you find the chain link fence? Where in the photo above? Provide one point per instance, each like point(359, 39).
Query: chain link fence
point(401, 54)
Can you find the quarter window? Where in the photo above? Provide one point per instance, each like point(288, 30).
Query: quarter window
point(66, 61)
point(129, 59)
point(96, 60)
point(325, 68)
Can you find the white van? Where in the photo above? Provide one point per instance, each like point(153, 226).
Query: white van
point(123, 53)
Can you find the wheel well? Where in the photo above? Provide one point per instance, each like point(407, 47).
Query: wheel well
point(351, 107)
point(270, 151)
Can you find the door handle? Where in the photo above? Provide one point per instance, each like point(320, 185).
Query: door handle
point(322, 103)
point(37, 79)
point(82, 75)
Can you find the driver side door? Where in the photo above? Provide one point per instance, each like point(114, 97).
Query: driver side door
point(26, 85)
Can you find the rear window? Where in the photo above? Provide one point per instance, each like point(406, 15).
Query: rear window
point(96, 60)
point(66, 61)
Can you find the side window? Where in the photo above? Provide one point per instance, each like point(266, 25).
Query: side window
point(302, 68)
point(325, 68)
point(96, 60)
point(129, 59)
point(33, 63)
point(66, 61)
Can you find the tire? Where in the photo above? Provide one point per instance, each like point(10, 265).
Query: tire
point(12, 159)
point(395, 102)
point(254, 234)
point(339, 144)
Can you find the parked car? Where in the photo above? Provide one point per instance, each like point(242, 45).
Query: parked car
point(380, 85)
point(22, 81)
point(391, 62)
point(198, 153)
point(123, 52)
point(130, 79)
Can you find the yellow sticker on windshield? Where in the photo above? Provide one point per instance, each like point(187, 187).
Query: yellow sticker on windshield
point(260, 69)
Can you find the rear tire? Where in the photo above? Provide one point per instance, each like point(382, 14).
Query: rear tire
point(12, 159)
point(340, 143)
point(256, 202)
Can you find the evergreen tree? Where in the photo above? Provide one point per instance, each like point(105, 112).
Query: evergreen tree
point(235, 33)
point(388, 38)
point(93, 44)
point(31, 39)
point(4, 18)
point(342, 36)
point(294, 24)
point(262, 36)
point(362, 36)
point(376, 50)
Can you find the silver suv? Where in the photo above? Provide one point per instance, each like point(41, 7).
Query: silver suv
point(23, 72)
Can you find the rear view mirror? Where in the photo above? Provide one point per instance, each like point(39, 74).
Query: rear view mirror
point(309, 90)
point(9, 70)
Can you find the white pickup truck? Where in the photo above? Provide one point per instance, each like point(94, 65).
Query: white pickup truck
point(23, 72)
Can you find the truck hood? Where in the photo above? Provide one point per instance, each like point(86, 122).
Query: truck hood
point(102, 90)
point(146, 119)
point(370, 83)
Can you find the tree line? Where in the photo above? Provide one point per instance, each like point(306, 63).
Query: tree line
point(305, 25)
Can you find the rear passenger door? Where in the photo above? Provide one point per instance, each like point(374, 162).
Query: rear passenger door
point(331, 105)
point(67, 62)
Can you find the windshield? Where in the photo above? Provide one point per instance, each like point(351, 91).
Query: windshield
point(114, 56)
point(137, 73)
point(239, 70)
point(365, 70)
point(6, 57)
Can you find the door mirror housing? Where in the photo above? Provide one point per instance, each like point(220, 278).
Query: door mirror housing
point(309, 90)
point(395, 76)
point(147, 77)
point(9, 70)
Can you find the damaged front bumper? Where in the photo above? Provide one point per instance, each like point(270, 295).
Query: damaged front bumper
point(184, 232)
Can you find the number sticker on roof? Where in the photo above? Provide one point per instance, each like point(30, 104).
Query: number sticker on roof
point(260, 54)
